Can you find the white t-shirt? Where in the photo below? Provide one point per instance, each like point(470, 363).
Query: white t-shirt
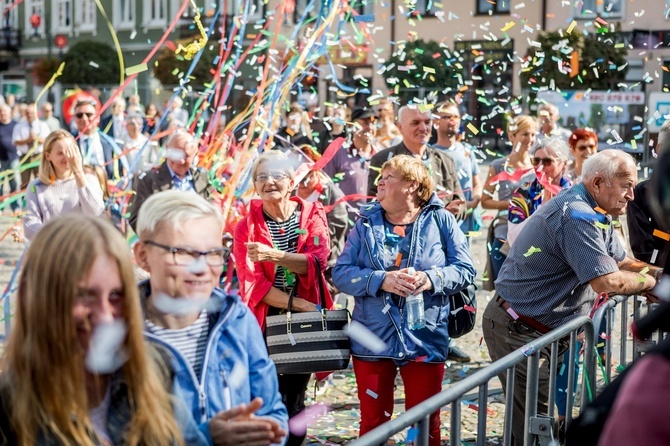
point(22, 131)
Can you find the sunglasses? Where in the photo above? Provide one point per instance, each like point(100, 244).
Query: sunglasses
point(81, 115)
point(545, 161)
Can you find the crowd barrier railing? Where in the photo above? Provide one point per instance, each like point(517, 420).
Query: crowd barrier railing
point(629, 347)
point(539, 428)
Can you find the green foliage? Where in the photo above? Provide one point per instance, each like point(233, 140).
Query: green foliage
point(419, 64)
point(599, 61)
point(78, 69)
point(171, 67)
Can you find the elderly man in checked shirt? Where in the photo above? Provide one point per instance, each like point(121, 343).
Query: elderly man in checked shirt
point(566, 253)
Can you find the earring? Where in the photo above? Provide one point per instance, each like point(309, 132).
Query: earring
point(405, 191)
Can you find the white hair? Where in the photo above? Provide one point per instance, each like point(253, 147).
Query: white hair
point(663, 138)
point(606, 164)
point(277, 159)
point(556, 146)
point(173, 207)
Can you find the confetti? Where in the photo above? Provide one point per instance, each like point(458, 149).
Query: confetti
point(386, 308)
point(399, 230)
point(361, 334)
point(105, 353)
point(507, 26)
point(512, 313)
point(532, 250)
point(472, 128)
point(412, 434)
point(291, 338)
point(136, 69)
point(372, 394)
point(654, 254)
point(93, 64)
point(660, 234)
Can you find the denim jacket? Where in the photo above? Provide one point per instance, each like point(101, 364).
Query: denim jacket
point(439, 248)
point(236, 366)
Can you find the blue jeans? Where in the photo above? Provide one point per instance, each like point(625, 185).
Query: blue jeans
point(14, 179)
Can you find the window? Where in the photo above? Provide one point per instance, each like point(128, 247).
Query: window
point(85, 16)
point(427, 7)
point(155, 13)
point(588, 9)
point(364, 7)
point(61, 16)
point(9, 20)
point(34, 8)
point(124, 14)
point(491, 7)
point(256, 8)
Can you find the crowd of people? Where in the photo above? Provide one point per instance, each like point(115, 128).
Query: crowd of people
point(372, 203)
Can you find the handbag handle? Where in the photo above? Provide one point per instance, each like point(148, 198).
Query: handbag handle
point(322, 299)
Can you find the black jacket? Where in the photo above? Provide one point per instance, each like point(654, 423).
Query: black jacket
point(641, 225)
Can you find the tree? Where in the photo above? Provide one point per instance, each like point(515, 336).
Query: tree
point(171, 67)
point(602, 63)
point(91, 63)
point(419, 65)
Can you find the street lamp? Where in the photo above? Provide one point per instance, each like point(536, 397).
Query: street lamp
point(35, 22)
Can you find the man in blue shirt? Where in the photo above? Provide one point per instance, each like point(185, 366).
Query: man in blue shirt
point(178, 171)
point(448, 128)
point(565, 254)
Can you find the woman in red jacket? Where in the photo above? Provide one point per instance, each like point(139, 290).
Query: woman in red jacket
point(277, 247)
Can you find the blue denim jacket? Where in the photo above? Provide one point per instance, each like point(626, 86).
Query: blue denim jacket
point(235, 340)
point(438, 247)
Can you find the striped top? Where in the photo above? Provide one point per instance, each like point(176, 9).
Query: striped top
point(285, 238)
point(191, 341)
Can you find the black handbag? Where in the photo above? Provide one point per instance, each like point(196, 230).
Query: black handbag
point(463, 311)
point(309, 342)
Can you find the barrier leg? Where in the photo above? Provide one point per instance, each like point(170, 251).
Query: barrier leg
point(531, 395)
point(455, 434)
point(424, 426)
point(571, 378)
point(552, 378)
point(481, 414)
point(509, 403)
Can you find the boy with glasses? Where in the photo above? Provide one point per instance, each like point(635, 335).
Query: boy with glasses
point(218, 352)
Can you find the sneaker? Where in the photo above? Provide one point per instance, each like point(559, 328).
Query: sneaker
point(458, 355)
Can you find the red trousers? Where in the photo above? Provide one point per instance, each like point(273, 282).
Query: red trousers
point(375, 380)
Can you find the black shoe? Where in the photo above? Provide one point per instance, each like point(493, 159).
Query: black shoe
point(458, 355)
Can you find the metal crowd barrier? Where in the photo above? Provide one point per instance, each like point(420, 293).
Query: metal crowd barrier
point(606, 313)
point(538, 427)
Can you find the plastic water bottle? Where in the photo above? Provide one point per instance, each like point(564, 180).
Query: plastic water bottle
point(414, 309)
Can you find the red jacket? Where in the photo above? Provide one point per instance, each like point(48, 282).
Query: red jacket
point(256, 279)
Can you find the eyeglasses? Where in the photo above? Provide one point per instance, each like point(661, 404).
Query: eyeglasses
point(545, 161)
point(81, 115)
point(186, 256)
point(276, 176)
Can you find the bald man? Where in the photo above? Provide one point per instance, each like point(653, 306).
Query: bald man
point(415, 126)
point(178, 171)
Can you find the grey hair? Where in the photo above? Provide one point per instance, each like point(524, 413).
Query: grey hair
point(663, 138)
point(606, 164)
point(556, 146)
point(279, 161)
point(174, 208)
point(135, 118)
point(179, 135)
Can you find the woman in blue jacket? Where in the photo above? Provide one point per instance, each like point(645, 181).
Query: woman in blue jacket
point(404, 244)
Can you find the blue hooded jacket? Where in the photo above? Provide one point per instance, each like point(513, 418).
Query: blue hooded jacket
point(236, 366)
point(439, 248)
